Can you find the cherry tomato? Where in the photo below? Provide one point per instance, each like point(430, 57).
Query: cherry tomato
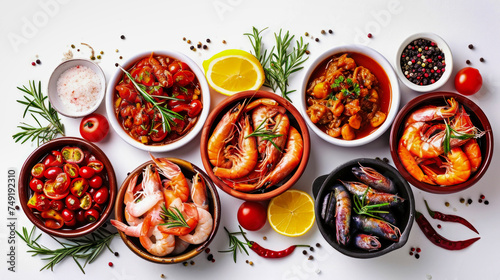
point(36, 185)
point(252, 215)
point(39, 202)
point(38, 170)
point(58, 160)
point(78, 187)
point(127, 92)
point(183, 77)
point(468, 81)
point(53, 219)
point(72, 202)
point(67, 215)
point(92, 215)
point(70, 223)
point(72, 170)
point(61, 184)
point(96, 165)
point(88, 158)
point(97, 207)
point(56, 205)
point(50, 192)
point(72, 154)
point(80, 216)
point(94, 127)
point(52, 172)
point(175, 66)
point(86, 201)
point(95, 182)
point(49, 159)
point(183, 99)
point(101, 196)
point(86, 172)
point(158, 133)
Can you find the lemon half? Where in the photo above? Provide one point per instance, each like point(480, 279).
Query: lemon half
point(291, 213)
point(233, 71)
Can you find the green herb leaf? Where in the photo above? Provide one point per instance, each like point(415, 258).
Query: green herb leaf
point(361, 208)
point(266, 134)
point(172, 217)
point(235, 244)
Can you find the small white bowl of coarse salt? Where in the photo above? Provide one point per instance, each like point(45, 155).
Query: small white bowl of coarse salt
point(76, 87)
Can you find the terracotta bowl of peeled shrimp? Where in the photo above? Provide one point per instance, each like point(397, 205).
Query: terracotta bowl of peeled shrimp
point(178, 251)
point(261, 167)
point(439, 147)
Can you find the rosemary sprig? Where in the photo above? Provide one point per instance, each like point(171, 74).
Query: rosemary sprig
point(35, 104)
point(167, 115)
point(87, 248)
point(282, 61)
point(235, 244)
point(266, 134)
point(361, 208)
point(172, 217)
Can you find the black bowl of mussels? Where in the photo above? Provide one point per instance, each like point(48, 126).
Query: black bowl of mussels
point(364, 208)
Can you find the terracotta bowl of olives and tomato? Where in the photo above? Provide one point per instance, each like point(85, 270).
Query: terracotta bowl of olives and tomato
point(158, 101)
point(67, 187)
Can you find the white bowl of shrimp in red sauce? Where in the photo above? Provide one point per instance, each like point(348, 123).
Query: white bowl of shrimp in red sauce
point(252, 172)
point(174, 189)
point(166, 105)
point(422, 160)
point(350, 95)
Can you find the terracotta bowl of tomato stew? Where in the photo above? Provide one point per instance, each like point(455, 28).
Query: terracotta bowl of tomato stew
point(342, 124)
point(93, 196)
point(133, 243)
point(296, 120)
point(404, 213)
point(478, 119)
point(181, 89)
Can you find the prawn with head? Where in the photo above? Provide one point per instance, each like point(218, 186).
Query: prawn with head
point(148, 197)
point(176, 185)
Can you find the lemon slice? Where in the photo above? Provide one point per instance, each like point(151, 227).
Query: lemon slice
point(232, 71)
point(291, 213)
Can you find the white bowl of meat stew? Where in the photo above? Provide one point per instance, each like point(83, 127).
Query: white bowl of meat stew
point(350, 95)
point(165, 106)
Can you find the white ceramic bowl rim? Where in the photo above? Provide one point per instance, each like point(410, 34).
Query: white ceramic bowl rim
point(447, 55)
point(205, 91)
point(52, 86)
point(395, 98)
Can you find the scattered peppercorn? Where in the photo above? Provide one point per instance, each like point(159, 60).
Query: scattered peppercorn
point(480, 200)
point(101, 52)
point(185, 263)
point(439, 226)
point(198, 45)
point(310, 258)
point(471, 46)
point(447, 204)
point(323, 32)
point(264, 237)
point(386, 160)
point(469, 201)
point(467, 61)
point(191, 48)
point(370, 35)
point(116, 50)
point(417, 256)
point(33, 63)
point(304, 252)
point(307, 34)
point(246, 261)
point(311, 249)
point(318, 245)
point(486, 202)
point(183, 38)
point(482, 196)
point(207, 250)
point(481, 59)
point(189, 41)
point(110, 264)
point(418, 250)
point(205, 47)
point(213, 260)
point(121, 57)
point(192, 262)
point(317, 39)
point(308, 52)
point(412, 249)
point(411, 253)
point(78, 50)
point(122, 37)
point(116, 254)
point(162, 275)
point(210, 257)
point(128, 173)
point(330, 31)
point(208, 40)
point(17, 207)
point(116, 64)
point(38, 61)
point(250, 263)
point(223, 41)
point(92, 57)
point(98, 56)
point(462, 200)
point(72, 46)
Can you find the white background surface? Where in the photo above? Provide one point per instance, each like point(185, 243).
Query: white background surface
point(148, 25)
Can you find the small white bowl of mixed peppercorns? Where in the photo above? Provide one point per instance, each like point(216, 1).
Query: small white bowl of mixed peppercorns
point(424, 62)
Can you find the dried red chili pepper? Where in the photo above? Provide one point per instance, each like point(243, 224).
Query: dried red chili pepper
point(439, 240)
point(449, 218)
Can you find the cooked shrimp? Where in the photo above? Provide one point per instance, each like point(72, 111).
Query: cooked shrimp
point(129, 198)
point(274, 149)
point(150, 195)
point(202, 231)
point(431, 112)
point(163, 243)
point(374, 179)
point(245, 159)
point(261, 101)
point(291, 158)
point(199, 192)
point(161, 73)
point(180, 246)
point(342, 215)
point(132, 230)
point(411, 165)
point(473, 152)
point(222, 132)
point(263, 116)
point(177, 186)
point(190, 215)
point(377, 227)
point(458, 169)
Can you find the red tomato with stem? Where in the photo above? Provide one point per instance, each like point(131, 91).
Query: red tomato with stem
point(252, 215)
point(94, 127)
point(468, 81)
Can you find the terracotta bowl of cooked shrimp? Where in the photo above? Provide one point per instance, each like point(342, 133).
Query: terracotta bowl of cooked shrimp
point(441, 142)
point(339, 199)
point(167, 210)
point(255, 145)
point(350, 95)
